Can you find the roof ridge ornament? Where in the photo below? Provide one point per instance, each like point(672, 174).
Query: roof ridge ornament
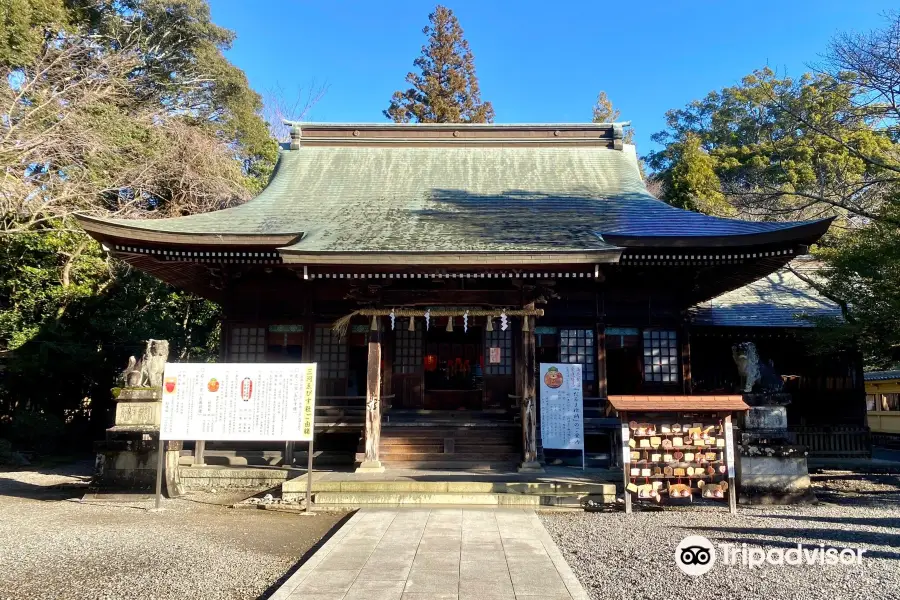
point(296, 133)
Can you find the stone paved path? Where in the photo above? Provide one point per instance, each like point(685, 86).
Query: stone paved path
point(436, 554)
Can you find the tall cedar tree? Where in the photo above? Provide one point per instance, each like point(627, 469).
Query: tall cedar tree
point(605, 112)
point(446, 91)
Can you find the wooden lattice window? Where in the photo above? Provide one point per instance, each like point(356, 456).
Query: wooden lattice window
point(577, 346)
point(502, 340)
point(660, 356)
point(331, 353)
point(408, 349)
point(248, 344)
point(871, 402)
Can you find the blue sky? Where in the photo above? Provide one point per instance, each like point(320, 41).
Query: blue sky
point(536, 61)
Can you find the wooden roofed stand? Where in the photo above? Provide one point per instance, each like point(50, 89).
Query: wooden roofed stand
point(676, 447)
point(523, 243)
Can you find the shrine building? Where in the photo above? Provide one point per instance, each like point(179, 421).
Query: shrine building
point(429, 268)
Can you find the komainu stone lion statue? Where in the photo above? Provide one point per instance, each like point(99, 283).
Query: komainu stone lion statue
point(747, 360)
point(756, 375)
point(154, 363)
point(149, 370)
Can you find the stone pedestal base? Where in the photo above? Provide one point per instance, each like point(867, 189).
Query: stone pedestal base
point(127, 459)
point(370, 466)
point(127, 463)
point(772, 469)
point(767, 418)
point(774, 480)
point(531, 467)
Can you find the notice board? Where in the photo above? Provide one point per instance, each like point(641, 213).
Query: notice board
point(562, 406)
point(238, 401)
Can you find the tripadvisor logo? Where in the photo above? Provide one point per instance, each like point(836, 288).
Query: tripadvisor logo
point(696, 555)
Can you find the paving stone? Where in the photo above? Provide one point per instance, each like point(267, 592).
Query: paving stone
point(484, 557)
point(437, 561)
point(339, 561)
point(482, 546)
point(476, 589)
point(432, 582)
point(442, 554)
point(483, 570)
point(321, 580)
point(440, 545)
point(375, 590)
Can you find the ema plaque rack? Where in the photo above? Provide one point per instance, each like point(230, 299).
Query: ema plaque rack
point(677, 449)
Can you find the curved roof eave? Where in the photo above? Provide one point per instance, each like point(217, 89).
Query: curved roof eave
point(124, 230)
point(804, 232)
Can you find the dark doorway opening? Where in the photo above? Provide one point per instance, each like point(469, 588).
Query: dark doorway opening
point(454, 363)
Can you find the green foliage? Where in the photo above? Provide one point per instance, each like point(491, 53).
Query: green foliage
point(115, 108)
point(24, 25)
point(771, 144)
point(692, 183)
point(864, 272)
point(824, 145)
point(446, 89)
point(68, 342)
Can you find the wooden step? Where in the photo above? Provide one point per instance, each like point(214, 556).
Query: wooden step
point(453, 465)
point(456, 456)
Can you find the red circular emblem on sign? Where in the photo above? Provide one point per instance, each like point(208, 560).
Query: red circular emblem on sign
point(246, 389)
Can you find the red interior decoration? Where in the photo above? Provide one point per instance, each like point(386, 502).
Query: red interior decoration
point(430, 362)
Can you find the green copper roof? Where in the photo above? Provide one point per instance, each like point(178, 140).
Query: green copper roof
point(499, 198)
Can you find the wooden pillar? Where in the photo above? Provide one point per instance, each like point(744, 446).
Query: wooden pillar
point(173, 476)
point(372, 464)
point(528, 377)
point(729, 461)
point(199, 453)
point(601, 360)
point(686, 380)
point(626, 459)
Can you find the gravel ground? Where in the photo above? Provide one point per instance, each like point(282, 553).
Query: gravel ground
point(619, 556)
point(53, 546)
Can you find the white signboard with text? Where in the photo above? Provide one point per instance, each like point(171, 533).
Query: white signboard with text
point(562, 406)
point(238, 401)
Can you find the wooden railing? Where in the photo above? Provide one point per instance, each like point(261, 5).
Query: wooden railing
point(336, 412)
point(834, 442)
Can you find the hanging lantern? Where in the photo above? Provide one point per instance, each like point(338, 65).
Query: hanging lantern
point(490, 324)
point(430, 362)
point(449, 323)
point(412, 324)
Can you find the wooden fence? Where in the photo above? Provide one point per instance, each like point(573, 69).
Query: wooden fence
point(835, 442)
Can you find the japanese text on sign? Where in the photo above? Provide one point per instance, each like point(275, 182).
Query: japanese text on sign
point(562, 406)
point(238, 402)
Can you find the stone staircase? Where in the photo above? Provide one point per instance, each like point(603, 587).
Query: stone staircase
point(450, 446)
